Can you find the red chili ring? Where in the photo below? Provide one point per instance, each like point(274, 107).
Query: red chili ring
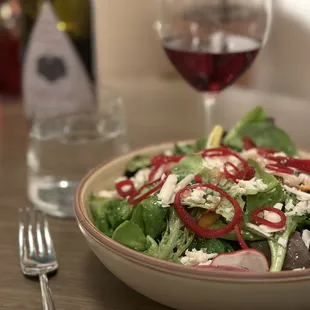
point(163, 159)
point(260, 220)
point(248, 144)
point(153, 172)
point(227, 174)
point(190, 222)
point(132, 200)
point(264, 152)
point(240, 238)
point(120, 185)
point(280, 169)
point(198, 178)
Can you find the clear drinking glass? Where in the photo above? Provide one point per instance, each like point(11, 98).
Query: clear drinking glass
point(212, 43)
point(63, 149)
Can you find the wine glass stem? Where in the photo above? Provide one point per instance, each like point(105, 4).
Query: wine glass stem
point(209, 102)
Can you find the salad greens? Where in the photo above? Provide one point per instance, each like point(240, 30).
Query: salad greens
point(262, 131)
point(228, 192)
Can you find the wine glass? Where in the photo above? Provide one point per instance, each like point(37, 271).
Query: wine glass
point(212, 43)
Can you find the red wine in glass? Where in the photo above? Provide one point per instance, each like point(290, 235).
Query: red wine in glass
point(213, 65)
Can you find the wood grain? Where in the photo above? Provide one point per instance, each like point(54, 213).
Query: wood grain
point(82, 282)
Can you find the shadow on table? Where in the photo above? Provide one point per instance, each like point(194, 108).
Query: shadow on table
point(111, 293)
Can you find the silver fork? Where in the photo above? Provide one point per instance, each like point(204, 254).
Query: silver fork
point(36, 250)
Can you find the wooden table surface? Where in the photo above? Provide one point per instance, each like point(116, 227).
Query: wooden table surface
point(155, 113)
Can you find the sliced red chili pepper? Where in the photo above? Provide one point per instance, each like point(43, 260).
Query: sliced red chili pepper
point(302, 165)
point(153, 172)
point(240, 238)
point(163, 159)
point(248, 173)
point(265, 152)
point(123, 184)
point(223, 152)
point(241, 174)
point(135, 198)
point(191, 223)
point(214, 152)
point(229, 175)
point(198, 178)
point(248, 144)
point(258, 219)
point(280, 169)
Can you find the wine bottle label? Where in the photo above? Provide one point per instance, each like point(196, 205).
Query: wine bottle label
point(55, 81)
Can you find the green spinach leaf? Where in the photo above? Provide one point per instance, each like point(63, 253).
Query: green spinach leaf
point(234, 137)
point(138, 162)
point(150, 216)
point(191, 164)
point(130, 235)
point(201, 143)
point(259, 200)
point(231, 236)
point(95, 203)
point(108, 214)
point(183, 149)
point(267, 178)
point(267, 134)
point(152, 247)
point(211, 245)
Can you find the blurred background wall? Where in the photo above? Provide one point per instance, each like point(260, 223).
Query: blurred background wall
point(127, 47)
point(284, 64)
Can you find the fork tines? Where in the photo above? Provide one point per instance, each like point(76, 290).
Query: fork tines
point(34, 236)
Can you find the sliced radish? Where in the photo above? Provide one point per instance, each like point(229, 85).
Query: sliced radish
point(223, 267)
point(250, 259)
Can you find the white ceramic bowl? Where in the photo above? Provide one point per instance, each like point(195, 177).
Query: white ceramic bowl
point(178, 286)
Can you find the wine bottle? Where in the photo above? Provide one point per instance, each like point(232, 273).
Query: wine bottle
point(57, 53)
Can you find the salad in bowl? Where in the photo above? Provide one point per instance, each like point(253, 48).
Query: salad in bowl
point(235, 200)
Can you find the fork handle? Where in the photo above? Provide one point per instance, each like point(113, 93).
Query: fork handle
point(46, 294)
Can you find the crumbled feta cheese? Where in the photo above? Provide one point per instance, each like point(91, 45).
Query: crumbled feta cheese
point(253, 154)
point(126, 188)
point(306, 237)
point(248, 187)
point(300, 209)
point(184, 182)
point(258, 229)
point(300, 194)
point(194, 258)
point(213, 199)
point(196, 196)
point(269, 229)
point(289, 205)
point(292, 180)
point(168, 152)
point(218, 162)
point(272, 217)
point(279, 154)
point(225, 209)
point(159, 173)
point(108, 194)
point(283, 241)
point(141, 177)
point(305, 179)
point(167, 189)
point(278, 206)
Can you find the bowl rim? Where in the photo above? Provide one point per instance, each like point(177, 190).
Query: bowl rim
point(86, 226)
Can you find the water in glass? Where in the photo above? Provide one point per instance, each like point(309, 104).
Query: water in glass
point(62, 150)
